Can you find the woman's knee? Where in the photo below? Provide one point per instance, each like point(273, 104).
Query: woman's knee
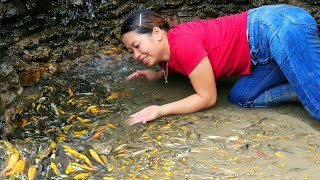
point(237, 96)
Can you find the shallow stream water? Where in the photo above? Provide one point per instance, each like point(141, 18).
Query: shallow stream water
point(73, 127)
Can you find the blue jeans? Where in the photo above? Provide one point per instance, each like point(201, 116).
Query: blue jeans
point(285, 52)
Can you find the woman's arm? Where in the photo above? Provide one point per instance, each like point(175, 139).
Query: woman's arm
point(203, 82)
point(147, 73)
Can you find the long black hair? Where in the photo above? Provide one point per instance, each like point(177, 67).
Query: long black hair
point(143, 21)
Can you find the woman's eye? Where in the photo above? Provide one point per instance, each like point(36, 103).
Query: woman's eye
point(137, 46)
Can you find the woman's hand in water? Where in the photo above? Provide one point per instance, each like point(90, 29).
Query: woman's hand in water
point(147, 114)
point(147, 73)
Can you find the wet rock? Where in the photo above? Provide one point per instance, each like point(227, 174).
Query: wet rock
point(139, 1)
point(11, 13)
point(30, 77)
point(192, 2)
point(36, 27)
point(188, 15)
point(50, 34)
point(174, 3)
point(3, 44)
point(5, 70)
point(210, 12)
point(9, 81)
point(27, 55)
point(242, 1)
point(49, 70)
point(10, 10)
point(218, 1)
point(10, 90)
point(28, 43)
point(7, 126)
point(40, 54)
point(59, 42)
point(23, 21)
point(109, 51)
point(76, 2)
point(37, 6)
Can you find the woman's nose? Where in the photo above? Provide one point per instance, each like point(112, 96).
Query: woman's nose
point(136, 55)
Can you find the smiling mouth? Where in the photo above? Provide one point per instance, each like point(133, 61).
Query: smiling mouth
point(144, 60)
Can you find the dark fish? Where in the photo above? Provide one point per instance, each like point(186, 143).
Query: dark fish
point(64, 160)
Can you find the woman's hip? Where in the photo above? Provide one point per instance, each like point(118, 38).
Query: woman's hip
point(282, 23)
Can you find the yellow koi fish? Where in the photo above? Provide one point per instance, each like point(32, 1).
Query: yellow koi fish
point(70, 169)
point(17, 168)
point(77, 154)
point(96, 156)
point(81, 175)
point(54, 168)
point(104, 158)
point(31, 172)
point(51, 147)
point(14, 157)
point(84, 167)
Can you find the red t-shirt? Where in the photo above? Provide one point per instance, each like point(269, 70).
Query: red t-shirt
point(222, 39)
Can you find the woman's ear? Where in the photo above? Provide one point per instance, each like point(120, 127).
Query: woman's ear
point(157, 33)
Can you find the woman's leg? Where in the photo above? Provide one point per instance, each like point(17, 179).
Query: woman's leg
point(289, 35)
point(266, 86)
point(280, 94)
point(296, 48)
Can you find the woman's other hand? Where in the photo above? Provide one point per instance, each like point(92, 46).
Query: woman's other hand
point(147, 114)
point(147, 73)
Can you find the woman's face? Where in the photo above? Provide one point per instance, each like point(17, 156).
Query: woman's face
point(146, 48)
